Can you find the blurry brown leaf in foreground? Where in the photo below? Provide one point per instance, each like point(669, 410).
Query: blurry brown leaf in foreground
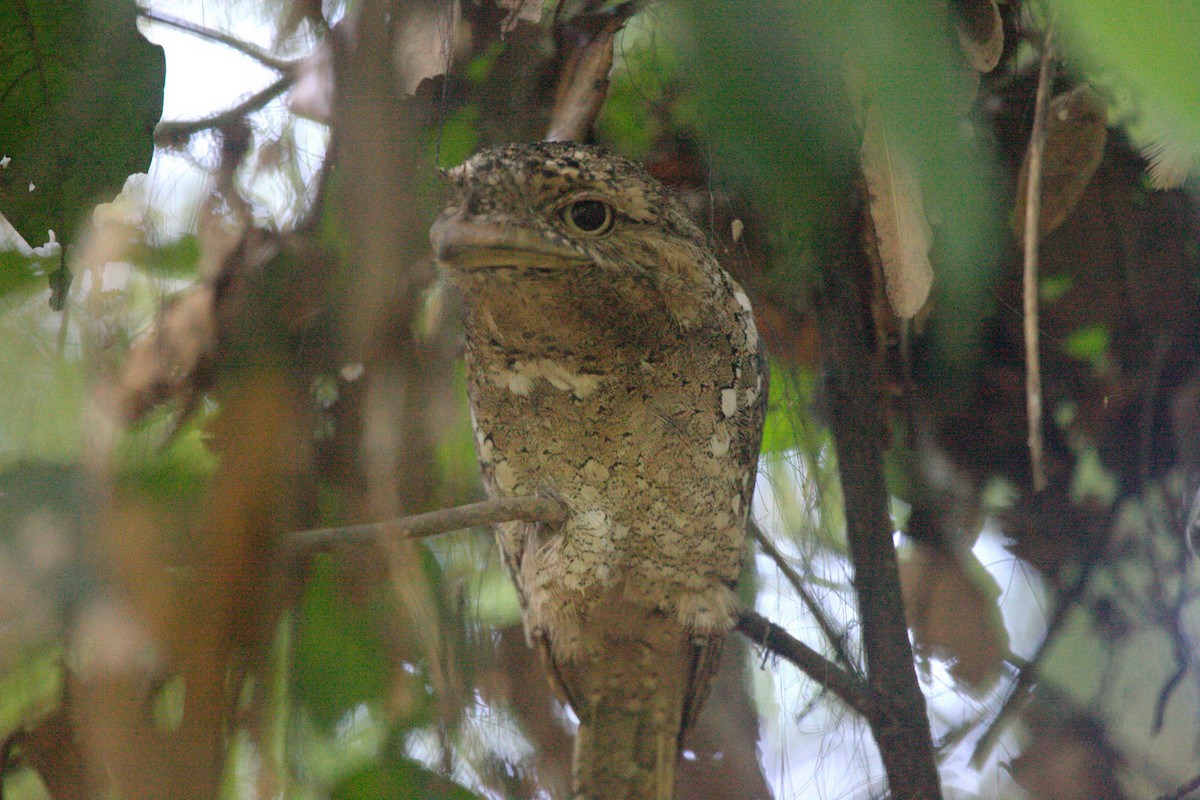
point(197, 610)
point(1076, 132)
point(586, 47)
point(1067, 759)
point(951, 604)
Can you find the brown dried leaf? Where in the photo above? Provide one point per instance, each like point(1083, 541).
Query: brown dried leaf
point(1076, 132)
point(311, 93)
point(1067, 759)
point(898, 214)
point(980, 32)
point(425, 42)
point(951, 607)
point(586, 53)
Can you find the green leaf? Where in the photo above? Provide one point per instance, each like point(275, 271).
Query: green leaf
point(1151, 43)
point(165, 463)
point(179, 259)
point(340, 659)
point(80, 93)
point(1089, 344)
point(398, 777)
point(18, 272)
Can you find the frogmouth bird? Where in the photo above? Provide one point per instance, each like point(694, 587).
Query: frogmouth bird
point(613, 364)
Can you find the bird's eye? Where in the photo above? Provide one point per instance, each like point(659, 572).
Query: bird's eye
point(591, 217)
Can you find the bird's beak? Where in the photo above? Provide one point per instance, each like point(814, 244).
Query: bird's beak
point(465, 245)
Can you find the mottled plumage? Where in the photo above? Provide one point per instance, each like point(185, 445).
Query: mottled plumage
point(613, 364)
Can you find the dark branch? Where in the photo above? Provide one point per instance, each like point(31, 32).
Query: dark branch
point(267, 59)
point(837, 638)
point(167, 134)
point(1028, 674)
point(849, 688)
point(1183, 791)
point(855, 400)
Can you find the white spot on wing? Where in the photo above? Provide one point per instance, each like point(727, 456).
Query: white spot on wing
point(520, 378)
point(729, 402)
point(505, 479)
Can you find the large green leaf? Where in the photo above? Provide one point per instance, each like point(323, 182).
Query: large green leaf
point(1153, 44)
point(398, 777)
point(80, 93)
point(17, 271)
point(340, 658)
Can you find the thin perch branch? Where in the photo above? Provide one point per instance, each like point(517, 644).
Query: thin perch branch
point(267, 59)
point(1033, 211)
point(1183, 791)
point(170, 133)
point(837, 638)
point(850, 689)
point(488, 512)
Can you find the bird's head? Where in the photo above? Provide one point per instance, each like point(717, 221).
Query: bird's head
point(553, 207)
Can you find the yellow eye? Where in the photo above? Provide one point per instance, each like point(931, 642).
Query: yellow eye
point(589, 217)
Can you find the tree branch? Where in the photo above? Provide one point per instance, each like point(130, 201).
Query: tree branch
point(1029, 671)
point(264, 57)
point(1033, 211)
point(1183, 791)
point(837, 638)
point(849, 688)
point(170, 133)
point(855, 401)
point(488, 512)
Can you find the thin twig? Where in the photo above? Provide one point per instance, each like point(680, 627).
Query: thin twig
point(1183, 791)
point(264, 57)
point(489, 512)
point(1029, 671)
point(1033, 210)
point(170, 133)
point(849, 688)
point(837, 638)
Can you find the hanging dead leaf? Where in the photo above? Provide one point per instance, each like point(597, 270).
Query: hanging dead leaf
point(311, 93)
point(586, 50)
point(1068, 758)
point(980, 32)
point(1076, 132)
point(951, 607)
point(424, 43)
point(898, 214)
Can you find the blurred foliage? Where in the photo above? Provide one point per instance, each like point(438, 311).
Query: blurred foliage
point(340, 660)
point(1151, 45)
point(83, 90)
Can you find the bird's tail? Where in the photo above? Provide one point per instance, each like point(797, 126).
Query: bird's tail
point(631, 696)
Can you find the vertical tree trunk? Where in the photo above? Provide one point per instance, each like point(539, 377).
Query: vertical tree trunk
point(855, 400)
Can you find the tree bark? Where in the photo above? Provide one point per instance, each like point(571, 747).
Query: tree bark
point(855, 398)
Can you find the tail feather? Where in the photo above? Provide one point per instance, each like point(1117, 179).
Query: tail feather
point(631, 693)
